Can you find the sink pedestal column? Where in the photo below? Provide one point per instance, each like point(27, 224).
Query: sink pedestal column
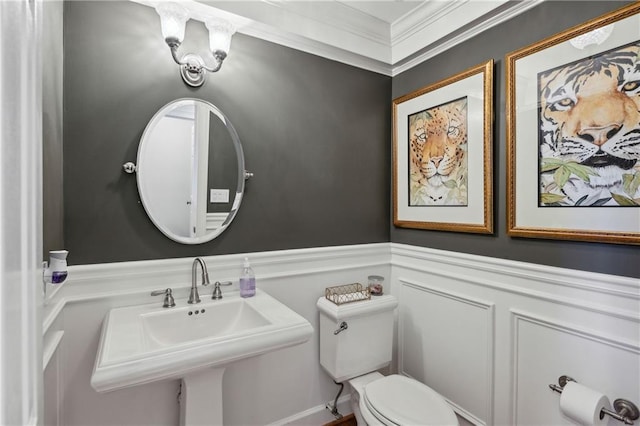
point(201, 398)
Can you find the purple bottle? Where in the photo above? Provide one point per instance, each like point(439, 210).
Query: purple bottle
point(247, 280)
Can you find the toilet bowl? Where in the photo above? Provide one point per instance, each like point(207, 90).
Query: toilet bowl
point(379, 400)
point(356, 340)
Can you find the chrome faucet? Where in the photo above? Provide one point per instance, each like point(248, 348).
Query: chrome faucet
point(193, 295)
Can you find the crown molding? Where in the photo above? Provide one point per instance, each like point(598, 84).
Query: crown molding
point(405, 31)
point(333, 24)
point(512, 10)
point(317, 48)
point(335, 31)
point(432, 22)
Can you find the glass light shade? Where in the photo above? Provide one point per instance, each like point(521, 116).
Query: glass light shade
point(220, 32)
point(597, 36)
point(173, 19)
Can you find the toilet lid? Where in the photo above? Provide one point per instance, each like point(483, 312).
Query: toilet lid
point(399, 400)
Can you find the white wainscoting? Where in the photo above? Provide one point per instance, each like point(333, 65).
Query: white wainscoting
point(488, 334)
point(215, 220)
point(458, 332)
point(283, 387)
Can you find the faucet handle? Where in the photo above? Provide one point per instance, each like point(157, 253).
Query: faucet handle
point(168, 297)
point(217, 293)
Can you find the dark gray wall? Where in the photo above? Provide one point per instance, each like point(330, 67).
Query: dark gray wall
point(52, 86)
point(314, 132)
point(543, 21)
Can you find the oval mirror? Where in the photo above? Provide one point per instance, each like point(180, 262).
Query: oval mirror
point(190, 171)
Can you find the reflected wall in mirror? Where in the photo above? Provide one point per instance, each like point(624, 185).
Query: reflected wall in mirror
point(190, 171)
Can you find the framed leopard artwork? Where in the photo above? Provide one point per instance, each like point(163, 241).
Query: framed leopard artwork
point(442, 147)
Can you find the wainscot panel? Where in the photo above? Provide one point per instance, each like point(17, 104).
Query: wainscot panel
point(490, 334)
point(434, 313)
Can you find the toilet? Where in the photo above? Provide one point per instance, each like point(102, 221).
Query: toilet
point(356, 340)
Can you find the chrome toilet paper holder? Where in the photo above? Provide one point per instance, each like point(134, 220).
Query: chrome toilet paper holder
point(626, 411)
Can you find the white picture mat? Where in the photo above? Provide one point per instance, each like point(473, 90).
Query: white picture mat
point(528, 213)
point(473, 88)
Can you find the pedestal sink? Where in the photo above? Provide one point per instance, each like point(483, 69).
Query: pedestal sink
point(146, 343)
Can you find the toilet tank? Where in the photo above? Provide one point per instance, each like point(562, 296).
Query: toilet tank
point(366, 345)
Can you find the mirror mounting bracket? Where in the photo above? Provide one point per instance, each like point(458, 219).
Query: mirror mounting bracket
point(129, 167)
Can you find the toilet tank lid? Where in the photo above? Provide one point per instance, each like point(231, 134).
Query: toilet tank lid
point(383, 303)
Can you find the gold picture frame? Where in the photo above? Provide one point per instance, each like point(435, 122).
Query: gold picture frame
point(442, 154)
point(573, 133)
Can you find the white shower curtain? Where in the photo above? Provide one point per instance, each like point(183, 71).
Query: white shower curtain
point(20, 212)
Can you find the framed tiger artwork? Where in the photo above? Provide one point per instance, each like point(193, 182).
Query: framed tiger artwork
point(573, 105)
point(442, 139)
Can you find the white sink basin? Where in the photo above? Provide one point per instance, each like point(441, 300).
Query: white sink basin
point(176, 326)
point(146, 343)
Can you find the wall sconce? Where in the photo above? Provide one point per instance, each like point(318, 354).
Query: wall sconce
point(173, 18)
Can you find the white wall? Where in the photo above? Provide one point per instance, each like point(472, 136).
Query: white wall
point(20, 212)
point(488, 334)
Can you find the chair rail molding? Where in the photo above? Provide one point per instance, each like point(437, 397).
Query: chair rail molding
point(502, 328)
point(114, 280)
point(611, 294)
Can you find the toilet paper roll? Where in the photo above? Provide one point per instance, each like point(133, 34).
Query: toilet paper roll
point(583, 405)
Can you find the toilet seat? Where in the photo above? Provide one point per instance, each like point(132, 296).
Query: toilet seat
point(399, 400)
